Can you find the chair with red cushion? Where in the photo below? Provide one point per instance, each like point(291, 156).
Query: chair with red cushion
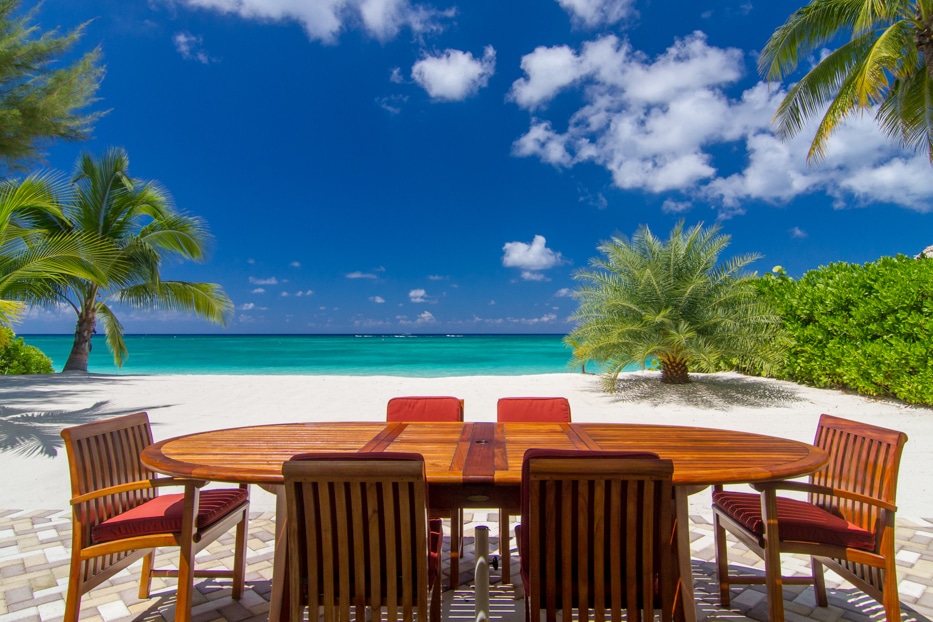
point(119, 515)
point(434, 408)
point(596, 534)
point(359, 536)
point(846, 524)
point(525, 410)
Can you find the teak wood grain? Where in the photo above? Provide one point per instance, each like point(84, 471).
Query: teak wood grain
point(482, 454)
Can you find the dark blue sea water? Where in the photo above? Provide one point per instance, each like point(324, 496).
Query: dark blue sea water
point(394, 355)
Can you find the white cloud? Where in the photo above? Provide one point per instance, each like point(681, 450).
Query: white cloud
point(307, 292)
point(259, 290)
point(671, 206)
point(436, 277)
point(417, 295)
point(191, 47)
point(295, 264)
point(454, 75)
point(655, 123)
point(361, 275)
point(269, 281)
point(246, 306)
point(564, 292)
point(251, 261)
point(797, 232)
point(425, 318)
point(324, 20)
point(284, 294)
point(377, 299)
point(592, 13)
point(531, 258)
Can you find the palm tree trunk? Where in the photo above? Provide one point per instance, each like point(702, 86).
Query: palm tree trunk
point(674, 371)
point(924, 40)
point(84, 331)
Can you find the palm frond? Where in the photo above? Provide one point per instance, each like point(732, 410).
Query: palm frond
point(810, 27)
point(206, 300)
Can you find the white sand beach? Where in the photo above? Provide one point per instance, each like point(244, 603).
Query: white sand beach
point(184, 404)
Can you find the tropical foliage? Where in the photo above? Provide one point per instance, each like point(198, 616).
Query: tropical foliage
point(17, 357)
point(674, 302)
point(38, 102)
point(885, 66)
point(36, 257)
point(138, 219)
point(864, 327)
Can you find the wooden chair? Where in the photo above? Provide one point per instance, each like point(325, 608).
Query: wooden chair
point(359, 535)
point(524, 410)
point(435, 408)
point(119, 516)
point(596, 533)
point(846, 524)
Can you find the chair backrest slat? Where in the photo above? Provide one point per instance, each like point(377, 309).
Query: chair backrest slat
point(597, 532)
point(359, 523)
point(863, 458)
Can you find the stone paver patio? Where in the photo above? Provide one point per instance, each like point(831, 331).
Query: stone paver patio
point(34, 554)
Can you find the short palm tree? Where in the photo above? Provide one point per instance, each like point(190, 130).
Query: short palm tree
point(886, 66)
point(671, 301)
point(138, 218)
point(34, 258)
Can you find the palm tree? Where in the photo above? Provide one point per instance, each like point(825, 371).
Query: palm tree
point(139, 219)
point(673, 302)
point(36, 257)
point(886, 65)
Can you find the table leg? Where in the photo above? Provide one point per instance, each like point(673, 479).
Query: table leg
point(683, 551)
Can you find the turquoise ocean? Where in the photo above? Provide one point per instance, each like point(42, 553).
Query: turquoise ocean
point(424, 356)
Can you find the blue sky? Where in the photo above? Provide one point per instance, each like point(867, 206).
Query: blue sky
point(394, 166)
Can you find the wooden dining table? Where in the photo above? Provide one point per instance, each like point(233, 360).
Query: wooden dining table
point(479, 464)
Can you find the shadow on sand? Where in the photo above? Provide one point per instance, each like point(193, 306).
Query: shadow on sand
point(707, 391)
point(28, 431)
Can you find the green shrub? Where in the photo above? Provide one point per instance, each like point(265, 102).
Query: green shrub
point(863, 327)
point(16, 357)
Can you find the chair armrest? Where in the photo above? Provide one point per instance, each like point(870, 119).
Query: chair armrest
point(824, 490)
point(158, 482)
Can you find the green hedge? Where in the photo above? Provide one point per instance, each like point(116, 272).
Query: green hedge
point(863, 327)
point(16, 357)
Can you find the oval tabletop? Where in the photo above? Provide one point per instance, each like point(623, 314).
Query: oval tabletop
point(481, 452)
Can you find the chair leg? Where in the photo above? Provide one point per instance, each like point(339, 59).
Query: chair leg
point(774, 580)
point(722, 562)
point(505, 551)
point(239, 556)
point(435, 612)
point(73, 595)
point(819, 582)
point(456, 546)
point(145, 577)
point(889, 596)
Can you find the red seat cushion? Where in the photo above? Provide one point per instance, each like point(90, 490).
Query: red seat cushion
point(164, 515)
point(797, 520)
point(430, 408)
point(533, 409)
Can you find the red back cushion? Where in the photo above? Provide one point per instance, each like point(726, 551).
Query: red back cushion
point(533, 409)
point(426, 408)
